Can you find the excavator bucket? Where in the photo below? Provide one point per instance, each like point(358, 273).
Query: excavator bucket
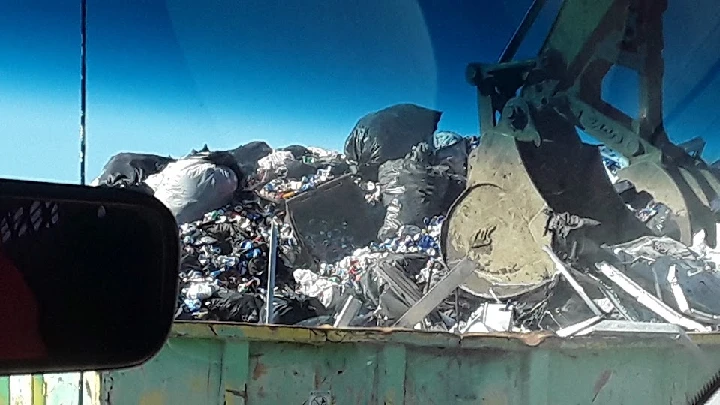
point(688, 193)
point(501, 221)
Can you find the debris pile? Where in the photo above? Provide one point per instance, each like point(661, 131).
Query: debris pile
point(360, 241)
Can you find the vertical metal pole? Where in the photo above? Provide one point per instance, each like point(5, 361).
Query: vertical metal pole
point(83, 135)
point(81, 391)
point(83, 87)
point(272, 263)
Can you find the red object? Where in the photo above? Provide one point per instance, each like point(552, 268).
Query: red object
point(20, 338)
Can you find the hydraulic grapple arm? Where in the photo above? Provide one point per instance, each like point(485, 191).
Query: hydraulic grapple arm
point(594, 35)
point(533, 160)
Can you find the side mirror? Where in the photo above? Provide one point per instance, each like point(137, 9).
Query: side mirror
point(88, 277)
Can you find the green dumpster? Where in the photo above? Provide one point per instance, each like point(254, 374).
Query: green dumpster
point(205, 363)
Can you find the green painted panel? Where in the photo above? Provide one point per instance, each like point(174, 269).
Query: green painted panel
point(258, 365)
point(286, 365)
point(392, 360)
point(288, 373)
point(361, 367)
point(186, 371)
point(62, 389)
point(4, 390)
point(235, 373)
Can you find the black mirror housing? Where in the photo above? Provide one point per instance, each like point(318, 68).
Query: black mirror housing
point(88, 277)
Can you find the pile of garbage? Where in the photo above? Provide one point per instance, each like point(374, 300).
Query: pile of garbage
point(355, 239)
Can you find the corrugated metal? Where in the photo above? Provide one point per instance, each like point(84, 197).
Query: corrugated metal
point(250, 365)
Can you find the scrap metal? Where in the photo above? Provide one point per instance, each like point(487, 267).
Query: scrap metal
point(648, 300)
point(438, 293)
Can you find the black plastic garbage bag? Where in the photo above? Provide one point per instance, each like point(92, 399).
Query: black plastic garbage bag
point(226, 159)
point(233, 306)
point(298, 151)
point(389, 134)
point(411, 190)
point(296, 170)
point(339, 168)
point(284, 272)
point(290, 308)
point(134, 166)
point(120, 181)
point(456, 186)
point(388, 285)
point(247, 156)
point(317, 321)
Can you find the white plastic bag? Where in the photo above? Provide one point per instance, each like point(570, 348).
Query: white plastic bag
point(275, 160)
point(323, 153)
point(316, 286)
point(192, 187)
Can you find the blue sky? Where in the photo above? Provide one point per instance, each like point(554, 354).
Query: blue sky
point(168, 76)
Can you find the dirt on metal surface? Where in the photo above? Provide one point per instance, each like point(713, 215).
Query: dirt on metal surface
point(499, 223)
